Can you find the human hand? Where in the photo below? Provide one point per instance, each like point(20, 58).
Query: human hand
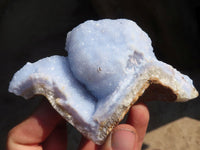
point(46, 130)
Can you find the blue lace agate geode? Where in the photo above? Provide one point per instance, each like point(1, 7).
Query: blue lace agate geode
point(110, 65)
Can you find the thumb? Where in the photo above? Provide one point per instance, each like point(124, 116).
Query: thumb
point(123, 137)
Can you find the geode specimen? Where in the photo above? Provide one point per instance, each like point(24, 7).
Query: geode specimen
point(110, 65)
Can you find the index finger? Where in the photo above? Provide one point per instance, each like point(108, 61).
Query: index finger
point(35, 129)
point(139, 118)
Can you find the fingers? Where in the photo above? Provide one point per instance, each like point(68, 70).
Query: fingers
point(35, 129)
point(139, 118)
point(125, 136)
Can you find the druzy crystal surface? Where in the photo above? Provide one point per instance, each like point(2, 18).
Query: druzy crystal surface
point(110, 65)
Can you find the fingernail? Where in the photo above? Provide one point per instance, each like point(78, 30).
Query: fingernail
point(123, 139)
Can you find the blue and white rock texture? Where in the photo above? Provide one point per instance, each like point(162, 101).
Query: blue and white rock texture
point(110, 65)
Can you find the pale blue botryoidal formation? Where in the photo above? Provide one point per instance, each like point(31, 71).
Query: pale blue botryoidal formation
point(110, 65)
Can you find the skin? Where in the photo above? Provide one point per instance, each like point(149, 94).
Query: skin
point(45, 129)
